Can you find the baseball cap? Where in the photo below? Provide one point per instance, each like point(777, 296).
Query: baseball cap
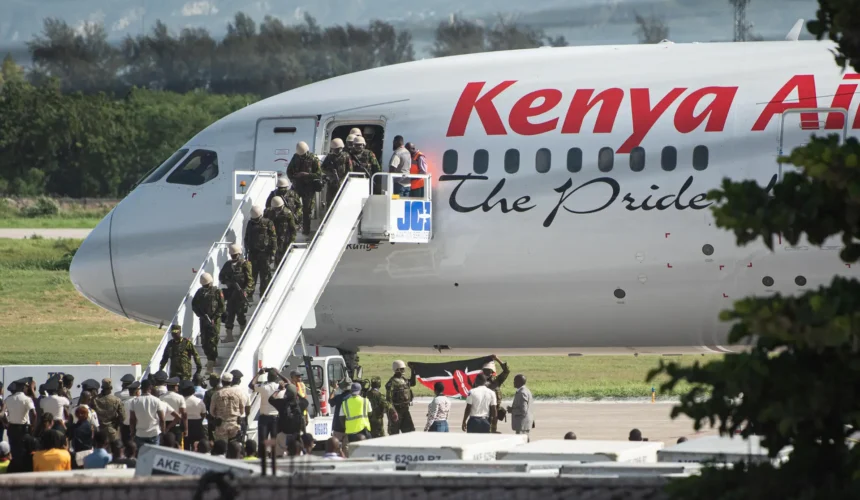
point(227, 377)
point(356, 388)
point(106, 382)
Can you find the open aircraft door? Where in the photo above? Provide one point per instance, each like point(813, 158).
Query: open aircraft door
point(277, 138)
point(797, 125)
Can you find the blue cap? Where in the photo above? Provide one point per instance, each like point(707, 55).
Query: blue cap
point(356, 388)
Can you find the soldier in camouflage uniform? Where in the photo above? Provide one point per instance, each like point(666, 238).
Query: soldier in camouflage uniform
point(494, 382)
point(238, 277)
point(363, 160)
point(304, 168)
point(180, 351)
point(336, 166)
point(379, 408)
point(208, 305)
point(285, 226)
point(214, 386)
point(261, 243)
point(109, 410)
point(399, 395)
point(290, 197)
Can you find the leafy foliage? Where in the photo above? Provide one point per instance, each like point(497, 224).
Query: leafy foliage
point(799, 384)
point(651, 29)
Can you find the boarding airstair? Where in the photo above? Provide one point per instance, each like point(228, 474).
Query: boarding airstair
point(276, 321)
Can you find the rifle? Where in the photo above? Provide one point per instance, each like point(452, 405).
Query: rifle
point(208, 320)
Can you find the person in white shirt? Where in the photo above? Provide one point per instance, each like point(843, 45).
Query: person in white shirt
point(20, 414)
point(195, 411)
point(125, 394)
point(84, 402)
point(401, 163)
point(175, 416)
point(147, 417)
point(267, 425)
point(133, 393)
point(58, 406)
point(437, 411)
point(480, 407)
point(333, 449)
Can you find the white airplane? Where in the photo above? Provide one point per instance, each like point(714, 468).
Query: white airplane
point(569, 186)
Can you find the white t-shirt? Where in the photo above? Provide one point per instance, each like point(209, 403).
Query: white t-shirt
point(146, 408)
point(265, 391)
point(195, 408)
point(127, 410)
point(159, 390)
point(54, 405)
point(18, 408)
point(481, 399)
point(175, 402)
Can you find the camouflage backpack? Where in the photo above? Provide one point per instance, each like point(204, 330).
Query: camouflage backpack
point(212, 300)
point(259, 237)
point(400, 392)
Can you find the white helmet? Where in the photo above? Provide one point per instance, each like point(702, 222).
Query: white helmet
point(283, 182)
point(360, 140)
point(350, 138)
point(355, 131)
point(205, 279)
point(256, 212)
point(302, 148)
point(235, 248)
point(398, 365)
point(337, 144)
point(277, 202)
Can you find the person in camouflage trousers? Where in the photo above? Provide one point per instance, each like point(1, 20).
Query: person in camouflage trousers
point(180, 351)
point(379, 408)
point(109, 410)
point(494, 382)
point(363, 160)
point(336, 166)
point(237, 275)
point(285, 227)
point(399, 396)
point(208, 305)
point(261, 243)
point(303, 169)
point(290, 197)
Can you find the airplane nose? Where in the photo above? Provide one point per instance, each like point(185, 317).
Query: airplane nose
point(91, 270)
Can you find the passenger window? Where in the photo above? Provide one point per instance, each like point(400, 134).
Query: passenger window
point(669, 158)
point(700, 157)
point(574, 160)
point(605, 159)
point(199, 168)
point(543, 160)
point(165, 167)
point(637, 159)
point(481, 162)
point(449, 162)
point(512, 161)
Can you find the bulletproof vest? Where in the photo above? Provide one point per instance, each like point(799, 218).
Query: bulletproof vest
point(258, 237)
point(399, 391)
point(237, 271)
point(211, 303)
point(304, 162)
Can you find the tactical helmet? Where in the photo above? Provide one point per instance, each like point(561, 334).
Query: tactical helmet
point(360, 140)
point(175, 328)
point(256, 212)
point(398, 365)
point(375, 382)
point(283, 182)
point(337, 144)
point(205, 279)
point(350, 138)
point(277, 202)
point(235, 248)
point(302, 148)
point(355, 131)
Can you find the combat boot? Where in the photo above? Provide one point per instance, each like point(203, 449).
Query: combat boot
point(229, 336)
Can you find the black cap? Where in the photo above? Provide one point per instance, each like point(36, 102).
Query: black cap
point(52, 385)
point(173, 381)
point(236, 375)
point(185, 385)
point(127, 379)
point(90, 385)
point(214, 377)
point(160, 377)
point(134, 385)
point(24, 381)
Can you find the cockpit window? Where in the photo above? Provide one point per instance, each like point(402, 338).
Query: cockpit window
point(199, 168)
point(159, 171)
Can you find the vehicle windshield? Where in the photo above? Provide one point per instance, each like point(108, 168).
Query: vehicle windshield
point(161, 170)
point(318, 375)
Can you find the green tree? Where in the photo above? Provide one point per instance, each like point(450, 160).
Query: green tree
point(458, 36)
point(508, 35)
point(651, 29)
point(799, 385)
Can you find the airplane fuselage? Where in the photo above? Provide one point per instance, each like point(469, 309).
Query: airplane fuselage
point(569, 190)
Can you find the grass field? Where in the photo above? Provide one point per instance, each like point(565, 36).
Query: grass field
point(43, 320)
point(54, 222)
